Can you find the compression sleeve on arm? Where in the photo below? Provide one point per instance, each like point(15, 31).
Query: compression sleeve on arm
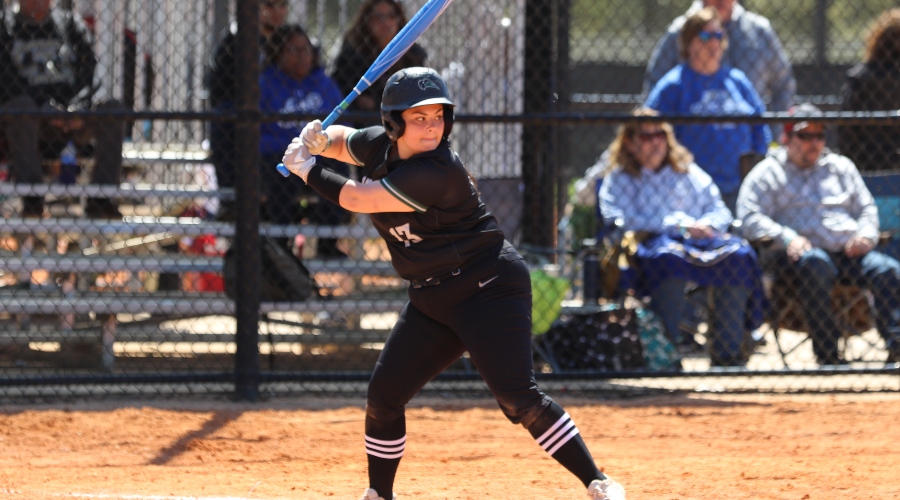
point(326, 183)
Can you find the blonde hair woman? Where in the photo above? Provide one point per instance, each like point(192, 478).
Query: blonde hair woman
point(655, 187)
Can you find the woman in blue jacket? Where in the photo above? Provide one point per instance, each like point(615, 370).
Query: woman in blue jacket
point(702, 85)
point(293, 81)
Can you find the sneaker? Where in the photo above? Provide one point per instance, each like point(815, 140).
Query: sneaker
point(371, 494)
point(606, 489)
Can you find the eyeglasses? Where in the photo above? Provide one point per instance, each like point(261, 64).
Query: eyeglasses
point(706, 36)
point(649, 136)
point(810, 136)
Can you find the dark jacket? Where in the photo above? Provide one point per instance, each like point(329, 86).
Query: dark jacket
point(220, 71)
point(871, 87)
point(53, 62)
point(352, 64)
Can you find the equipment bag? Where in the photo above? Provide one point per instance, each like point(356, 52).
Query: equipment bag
point(284, 278)
point(605, 340)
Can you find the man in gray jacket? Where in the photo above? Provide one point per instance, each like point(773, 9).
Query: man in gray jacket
point(816, 209)
point(753, 47)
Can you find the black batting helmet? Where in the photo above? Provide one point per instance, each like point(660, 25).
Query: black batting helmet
point(410, 88)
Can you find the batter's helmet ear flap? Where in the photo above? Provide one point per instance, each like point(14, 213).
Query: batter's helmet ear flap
point(448, 120)
point(394, 125)
point(409, 88)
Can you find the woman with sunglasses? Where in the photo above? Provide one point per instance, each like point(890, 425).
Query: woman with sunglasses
point(656, 190)
point(374, 26)
point(702, 85)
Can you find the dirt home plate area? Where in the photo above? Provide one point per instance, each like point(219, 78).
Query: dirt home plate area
point(679, 447)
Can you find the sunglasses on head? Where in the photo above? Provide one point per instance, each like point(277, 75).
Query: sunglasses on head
point(706, 36)
point(649, 136)
point(809, 136)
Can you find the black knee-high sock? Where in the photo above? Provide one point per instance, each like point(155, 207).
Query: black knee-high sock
point(555, 431)
point(385, 444)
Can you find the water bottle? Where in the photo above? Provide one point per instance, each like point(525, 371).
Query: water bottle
point(591, 278)
point(68, 168)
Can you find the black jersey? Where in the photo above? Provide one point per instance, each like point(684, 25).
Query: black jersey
point(450, 226)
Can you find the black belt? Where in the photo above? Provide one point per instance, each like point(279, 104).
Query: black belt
point(435, 280)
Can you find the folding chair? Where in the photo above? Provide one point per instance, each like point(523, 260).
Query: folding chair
point(852, 306)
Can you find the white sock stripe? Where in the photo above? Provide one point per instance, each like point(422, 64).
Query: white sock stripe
point(389, 449)
point(557, 436)
point(384, 455)
point(386, 443)
point(555, 426)
point(563, 441)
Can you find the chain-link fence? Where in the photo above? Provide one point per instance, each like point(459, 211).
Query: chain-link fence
point(150, 247)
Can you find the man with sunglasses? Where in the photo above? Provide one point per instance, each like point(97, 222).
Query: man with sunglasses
point(753, 47)
point(815, 208)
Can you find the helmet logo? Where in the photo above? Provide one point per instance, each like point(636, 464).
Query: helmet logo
point(427, 83)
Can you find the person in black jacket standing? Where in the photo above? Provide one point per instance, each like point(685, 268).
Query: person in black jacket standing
point(872, 86)
point(469, 288)
point(374, 26)
point(48, 64)
point(220, 76)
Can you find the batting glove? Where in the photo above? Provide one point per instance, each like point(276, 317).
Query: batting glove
point(314, 138)
point(298, 159)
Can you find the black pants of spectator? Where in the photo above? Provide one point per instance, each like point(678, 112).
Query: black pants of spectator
point(281, 207)
point(221, 148)
point(30, 140)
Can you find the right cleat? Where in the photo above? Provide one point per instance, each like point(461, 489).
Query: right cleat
point(605, 489)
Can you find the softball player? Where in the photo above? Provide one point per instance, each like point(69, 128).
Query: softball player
point(469, 288)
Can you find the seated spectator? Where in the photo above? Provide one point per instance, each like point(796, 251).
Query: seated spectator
point(220, 82)
point(704, 86)
point(753, 47)
point(815, 207)
point(293, 81)
point(656, 188)
point(374, 26)
point(871, 86)
point(48, 64)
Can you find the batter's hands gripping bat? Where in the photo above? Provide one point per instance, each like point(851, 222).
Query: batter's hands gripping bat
point(398, 46)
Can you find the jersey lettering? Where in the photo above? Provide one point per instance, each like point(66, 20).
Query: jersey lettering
point(402, 234)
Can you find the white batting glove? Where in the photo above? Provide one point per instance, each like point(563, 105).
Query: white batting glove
point(314, 138)
point(298, 159)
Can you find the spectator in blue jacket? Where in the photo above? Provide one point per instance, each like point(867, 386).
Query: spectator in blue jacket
point(293, 81)
point(753, 47)
point(702, 85)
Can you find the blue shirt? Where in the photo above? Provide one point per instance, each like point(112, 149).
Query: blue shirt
point(316, 94)
point(717, 147)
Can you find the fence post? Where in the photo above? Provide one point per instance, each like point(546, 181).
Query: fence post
point(537, 161)
point(246, 359)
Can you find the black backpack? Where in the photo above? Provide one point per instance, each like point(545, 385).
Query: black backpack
point(606, 340)
point(284, 278)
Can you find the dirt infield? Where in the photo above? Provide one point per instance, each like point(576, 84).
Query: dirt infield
point(823, 447)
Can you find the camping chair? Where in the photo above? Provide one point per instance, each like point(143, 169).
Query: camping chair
point(852, 305)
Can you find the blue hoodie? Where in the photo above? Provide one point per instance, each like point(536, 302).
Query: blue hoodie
point(717, 147)
point(316, 94)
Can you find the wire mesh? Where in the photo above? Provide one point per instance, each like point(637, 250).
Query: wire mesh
point(125, 130)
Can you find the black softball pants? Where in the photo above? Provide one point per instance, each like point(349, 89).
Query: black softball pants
point(485, 310)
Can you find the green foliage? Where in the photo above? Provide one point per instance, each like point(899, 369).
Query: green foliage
point(627, 30)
